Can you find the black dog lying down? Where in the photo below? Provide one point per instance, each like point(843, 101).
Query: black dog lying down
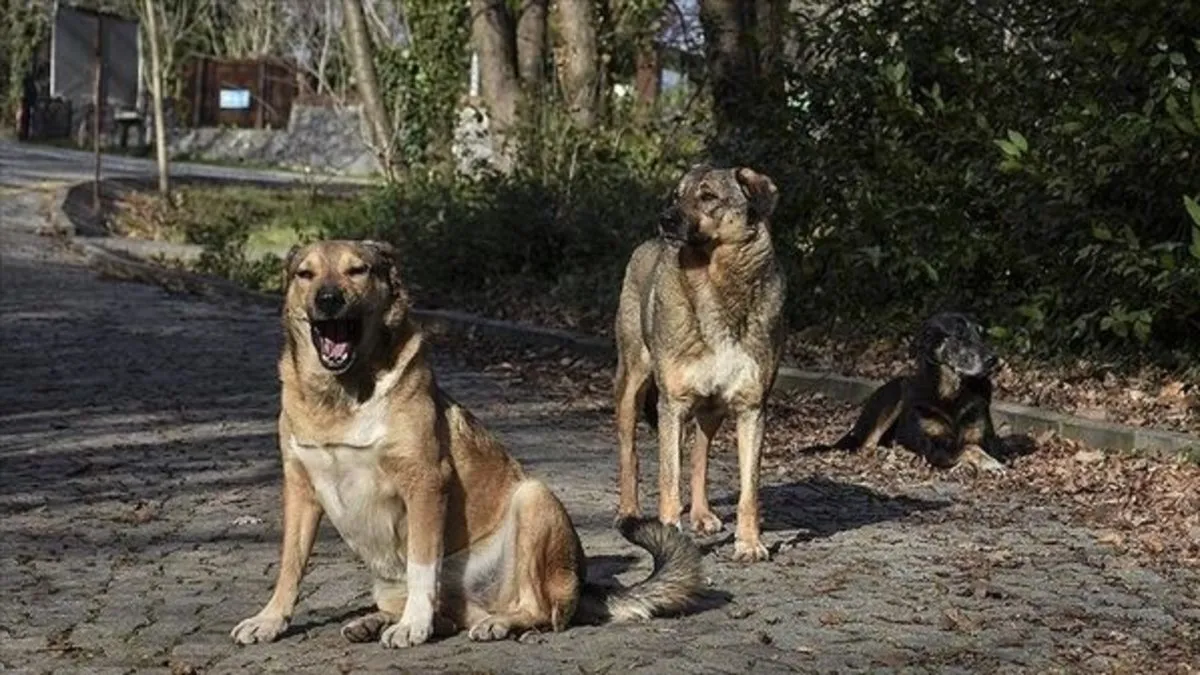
point(943, 412)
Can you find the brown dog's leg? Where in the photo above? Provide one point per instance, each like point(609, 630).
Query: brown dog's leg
point(671, 414)
point(426, 534)
point(301, 516)
point(747, 545)
point(630, 388)
point(704, 521)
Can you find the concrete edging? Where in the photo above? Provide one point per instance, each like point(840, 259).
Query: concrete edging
point(1009, 417)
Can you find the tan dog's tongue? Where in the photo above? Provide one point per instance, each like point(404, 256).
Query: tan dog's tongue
point(334, 348)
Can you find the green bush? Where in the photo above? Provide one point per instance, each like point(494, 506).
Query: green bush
point(1028, 162)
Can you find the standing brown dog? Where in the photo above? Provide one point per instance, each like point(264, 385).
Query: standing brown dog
point(699, 328)
point(448, 524)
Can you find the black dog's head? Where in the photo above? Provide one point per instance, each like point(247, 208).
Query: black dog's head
point(955, 341)
point(715, 206)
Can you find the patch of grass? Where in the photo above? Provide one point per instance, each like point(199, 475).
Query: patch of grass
point(245, 230)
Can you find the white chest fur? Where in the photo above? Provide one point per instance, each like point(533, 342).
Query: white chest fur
point(727, 370)
point(358, 500)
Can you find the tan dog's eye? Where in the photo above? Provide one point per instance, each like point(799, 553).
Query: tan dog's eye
point(358, 270)
point(708, 197)
point(306, 275)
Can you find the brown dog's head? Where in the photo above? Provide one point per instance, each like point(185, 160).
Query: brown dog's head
point(344, 295)
point(715, 206)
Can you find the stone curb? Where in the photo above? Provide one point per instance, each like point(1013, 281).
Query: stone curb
point(1009, 417)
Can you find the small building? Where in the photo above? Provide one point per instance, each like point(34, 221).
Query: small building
point(247, 93)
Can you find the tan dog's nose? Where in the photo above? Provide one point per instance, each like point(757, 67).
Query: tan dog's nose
point(330, 301)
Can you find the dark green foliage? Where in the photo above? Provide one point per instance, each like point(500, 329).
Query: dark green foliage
point(1038, 179)
point(1031, 163)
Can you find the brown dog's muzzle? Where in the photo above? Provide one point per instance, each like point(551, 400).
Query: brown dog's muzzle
point(335, 334)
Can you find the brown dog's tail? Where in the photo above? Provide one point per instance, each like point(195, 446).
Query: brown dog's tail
point(672, 588)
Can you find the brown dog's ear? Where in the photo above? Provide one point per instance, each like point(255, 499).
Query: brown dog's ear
point(760, 190)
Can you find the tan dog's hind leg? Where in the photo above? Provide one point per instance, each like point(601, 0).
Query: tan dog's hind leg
point(301, 516)
point(704, 521)
point(747, 545)
point(542, 584)
point(670, 437)
point(630, 389)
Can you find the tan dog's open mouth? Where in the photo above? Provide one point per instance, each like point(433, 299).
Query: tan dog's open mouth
point(336, 341)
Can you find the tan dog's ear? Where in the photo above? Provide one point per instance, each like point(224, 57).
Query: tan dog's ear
point(386, 259)
point(289, 264)
point(760, 190)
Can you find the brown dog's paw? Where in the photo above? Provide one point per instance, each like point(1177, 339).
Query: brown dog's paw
point(749, 551)
point(259, 628)
point(407, 633)
point(367, 628)
point(490, 629)
point(705, 523)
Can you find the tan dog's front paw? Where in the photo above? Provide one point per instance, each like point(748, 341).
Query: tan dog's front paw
point(490, 629)
point(405, 634)
point(705, 523)
point(749, 551)
point(367, 628)
point(259, 628)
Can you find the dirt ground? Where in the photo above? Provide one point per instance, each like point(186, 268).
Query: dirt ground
point(139, 488)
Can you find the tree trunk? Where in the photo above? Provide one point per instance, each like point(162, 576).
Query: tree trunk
point(156, 94)
point(577, 26)
point(732, 61)
point(647, 82)
point(495, 41)
point(368, 85)
point(531, 46)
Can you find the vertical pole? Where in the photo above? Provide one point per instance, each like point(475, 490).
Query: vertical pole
point(97, 105)
point(259, 94)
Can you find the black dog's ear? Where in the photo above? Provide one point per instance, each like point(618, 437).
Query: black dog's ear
point(760, 191)
point(924, 346)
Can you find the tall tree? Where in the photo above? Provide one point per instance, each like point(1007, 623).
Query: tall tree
point(581, 73)
point(154, 38)
point(531, 46)
point(363, 66)
point(495, 41)
point(743, 45)
point(732, 58)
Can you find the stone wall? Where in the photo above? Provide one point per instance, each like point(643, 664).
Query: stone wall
point(323, 139)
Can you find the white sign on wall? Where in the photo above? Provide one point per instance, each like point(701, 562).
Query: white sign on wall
point(235, 99)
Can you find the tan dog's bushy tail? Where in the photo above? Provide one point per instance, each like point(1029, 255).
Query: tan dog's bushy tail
point(672, 588)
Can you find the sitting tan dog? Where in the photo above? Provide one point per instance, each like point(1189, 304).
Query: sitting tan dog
point(448, 524)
